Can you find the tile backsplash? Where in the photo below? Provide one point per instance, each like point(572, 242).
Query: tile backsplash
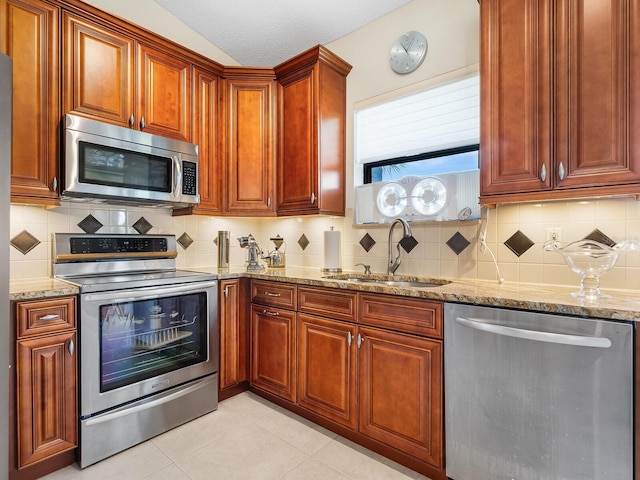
point(515, 233)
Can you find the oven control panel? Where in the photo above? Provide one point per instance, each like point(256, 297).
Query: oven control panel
point(126, 244)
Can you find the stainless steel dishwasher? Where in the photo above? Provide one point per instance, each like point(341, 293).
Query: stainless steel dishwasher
point(531, 396)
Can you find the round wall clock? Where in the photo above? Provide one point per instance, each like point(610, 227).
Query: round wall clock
point(408, 52)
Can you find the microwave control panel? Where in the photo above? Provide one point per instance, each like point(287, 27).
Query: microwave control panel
point(189, 176)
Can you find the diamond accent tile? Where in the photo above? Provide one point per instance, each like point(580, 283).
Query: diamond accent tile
point(185, 240)
point(458, 243)
point(519, 243)
point(303, 241)
point(142, 226)
point(367, 242)
point(408, 243)
point(24, 242)
point(598, 236)
point(90, 224)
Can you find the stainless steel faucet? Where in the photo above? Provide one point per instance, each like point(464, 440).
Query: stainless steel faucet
point(393, 264)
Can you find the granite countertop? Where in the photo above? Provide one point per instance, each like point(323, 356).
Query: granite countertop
point(625, 304)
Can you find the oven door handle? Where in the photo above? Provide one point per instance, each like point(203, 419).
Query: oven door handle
point(159, 399)
point(148, 292)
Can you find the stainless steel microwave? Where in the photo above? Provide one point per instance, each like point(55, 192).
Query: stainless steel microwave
point(121, 165)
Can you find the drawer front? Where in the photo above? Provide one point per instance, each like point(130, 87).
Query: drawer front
point(328, 302)
point(38, 317)
point(274, 294)
point(403, 314)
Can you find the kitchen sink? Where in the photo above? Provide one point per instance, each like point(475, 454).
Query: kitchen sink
point(391, 281)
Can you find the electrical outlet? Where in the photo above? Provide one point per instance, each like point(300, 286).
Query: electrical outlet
point(554, 233)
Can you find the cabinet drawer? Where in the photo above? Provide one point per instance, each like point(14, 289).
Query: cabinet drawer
point(410, 315)
point(39, 317)
point(327, 303)
point(274, 294)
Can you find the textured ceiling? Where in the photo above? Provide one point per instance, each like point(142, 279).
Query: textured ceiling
point(266, 33)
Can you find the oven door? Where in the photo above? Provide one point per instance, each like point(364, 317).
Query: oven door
point(135, 343)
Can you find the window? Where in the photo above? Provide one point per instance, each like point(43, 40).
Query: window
point(432, 131)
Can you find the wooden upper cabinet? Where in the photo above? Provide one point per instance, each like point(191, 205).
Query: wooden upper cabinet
point(598, 104)
point(164, 94)
point(559, 107)
point(206, 134)
point(516, 107)
point(99, 72)
point(250, 143)
point(311, 133)
point(29, 34)
point(109, 76)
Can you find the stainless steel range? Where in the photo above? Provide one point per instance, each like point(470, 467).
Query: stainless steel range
point(148, 338)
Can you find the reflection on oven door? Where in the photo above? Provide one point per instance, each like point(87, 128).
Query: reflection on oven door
point(145, 338)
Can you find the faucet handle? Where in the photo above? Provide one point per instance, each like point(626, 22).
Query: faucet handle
point(367, 268)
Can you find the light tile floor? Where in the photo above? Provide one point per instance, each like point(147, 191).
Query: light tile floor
point(246, 438)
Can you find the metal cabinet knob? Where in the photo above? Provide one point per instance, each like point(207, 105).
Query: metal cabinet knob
point(543, 172)
point(561, 171)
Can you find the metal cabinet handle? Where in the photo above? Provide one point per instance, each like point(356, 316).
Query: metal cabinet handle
point(543, 172)
point(142, 124)
point(72, 347)
point(561, 171)
point(132, 120)
point(47, 318)
point(313, 198)
point(54, 184)
point(360, 340)
point(269, 294)
point(226, 292)
point(349, 338)
point(272, 314)
point(269, 202)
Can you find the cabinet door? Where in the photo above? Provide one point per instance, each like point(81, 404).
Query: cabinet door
point(249, 148)
point(98, 75)
point(29, 35)
point(206, 135)
point(233, 340)
point(164, 94)
point(327, 368)
point(516, 96)
point(400, 391)
point(311, 147)
point(597, 98)
point(298, 134)
point(46, 405)
point(273, 351)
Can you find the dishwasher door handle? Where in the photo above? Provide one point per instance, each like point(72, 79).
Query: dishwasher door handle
point(549, 337)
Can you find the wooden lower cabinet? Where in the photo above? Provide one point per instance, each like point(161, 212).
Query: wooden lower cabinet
point(368, 367)
point(327, 368)
point(233, 335)
point(401, 392)
point(44, 401)
point(47, 412)
point(273, 351)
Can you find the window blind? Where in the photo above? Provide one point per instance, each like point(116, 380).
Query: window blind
point(441, 117)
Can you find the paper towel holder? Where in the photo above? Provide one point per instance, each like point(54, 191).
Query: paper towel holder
point(338, 268)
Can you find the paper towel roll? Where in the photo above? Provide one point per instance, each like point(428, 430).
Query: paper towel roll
point(332, 251)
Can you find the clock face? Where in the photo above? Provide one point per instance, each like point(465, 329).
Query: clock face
point(408, 52)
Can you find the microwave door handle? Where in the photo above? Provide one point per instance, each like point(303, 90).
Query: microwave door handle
point(177, 175)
